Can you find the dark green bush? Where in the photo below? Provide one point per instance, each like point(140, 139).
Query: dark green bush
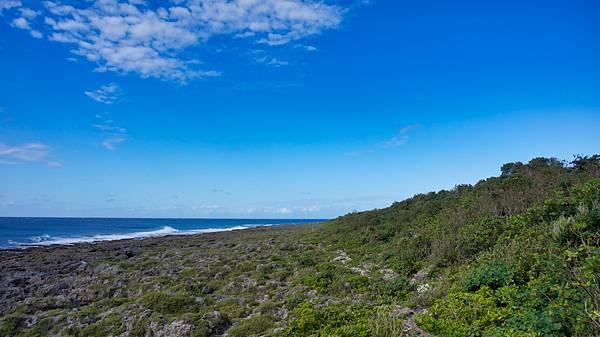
point(323, 279)
point(493, 274)
point(359, 282)
point(395, 288)
point(551, 286)
point(306, 261)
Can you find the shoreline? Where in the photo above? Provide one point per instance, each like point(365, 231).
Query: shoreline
point(176, 234)
point(46, 240)
point(205, 273)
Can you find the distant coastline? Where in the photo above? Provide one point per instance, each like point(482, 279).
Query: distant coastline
point(20, 233)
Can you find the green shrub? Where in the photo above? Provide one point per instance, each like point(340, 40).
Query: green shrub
point(11, 324)
point(166, 303)
point(395, 288)
point(138, 327)
point(232, 308)
point(463, 314)
point(325, 276)
point(551, 287)
point(267, 307)
point(493, 274)
point(253, 326)
point(42, 328)
point(359, 282)
point(402, 261)
point(306, 261)
point(386, 323)
point(333, 320)
point(109, 326)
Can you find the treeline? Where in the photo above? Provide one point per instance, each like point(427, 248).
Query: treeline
point(451, 226)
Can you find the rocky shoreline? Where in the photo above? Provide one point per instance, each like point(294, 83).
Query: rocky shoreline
point(52, 283)
point(246, 282)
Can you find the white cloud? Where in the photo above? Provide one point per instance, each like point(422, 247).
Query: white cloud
point(36, 33)
point(311, 209)
point(271, 61)
point(54, 163)
point(29, 152)
point(110, 128)
point(25, 152)
point(107, 94)
point(28, 13)
point(274, 22)
point(111, 143)
point(22, 22)
point(395, 141)
point(113, 134)
point(131, 37)
point(258, 210)
point(8, 4)
point(282, 210)
point(400, 138)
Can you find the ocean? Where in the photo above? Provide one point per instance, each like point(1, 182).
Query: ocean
point(28, 232)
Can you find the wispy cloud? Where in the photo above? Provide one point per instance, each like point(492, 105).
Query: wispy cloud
point(266, 85)
point(131, 37)
point(282, 210)
point(107, 94)
point(110, 128)
point(28, 152)
point(111, 143)
point(220, 191)
point(399, 139)
point(113, 134)
point(223, 210)
point(307, 208)
point(271, 61)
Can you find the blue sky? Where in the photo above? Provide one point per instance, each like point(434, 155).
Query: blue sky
point(283, 109)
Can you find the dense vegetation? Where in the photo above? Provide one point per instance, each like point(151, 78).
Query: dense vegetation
point(513, 255)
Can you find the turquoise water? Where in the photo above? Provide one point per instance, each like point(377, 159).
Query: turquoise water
point(26, 232)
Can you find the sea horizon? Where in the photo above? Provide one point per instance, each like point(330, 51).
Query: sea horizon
point(23, 232)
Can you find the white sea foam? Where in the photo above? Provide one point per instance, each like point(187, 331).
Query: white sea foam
point(46, 240)
point(40, 238)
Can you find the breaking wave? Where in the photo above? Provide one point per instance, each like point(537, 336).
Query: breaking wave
point(47, 240)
